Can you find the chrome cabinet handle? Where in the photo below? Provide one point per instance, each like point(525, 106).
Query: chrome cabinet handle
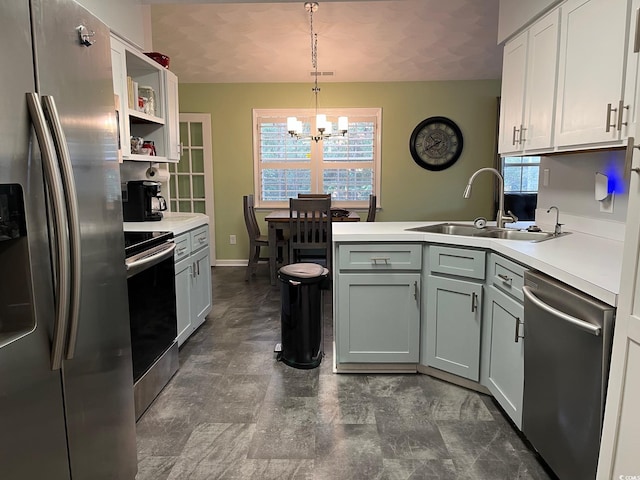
point(54, 183)
point(521, 138)
point(73, 218)
point(513, 138)
point(608, 123)
point(474, 302)
point(375, 260)
point(621, 108)
point(581, 324)
point(628, 158)
point(505, 278)
point(518, 323)
point(415, 290)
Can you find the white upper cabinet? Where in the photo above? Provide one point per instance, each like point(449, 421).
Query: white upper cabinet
point(514, 68)
point(591, 107)
point(528, 88)
point(148, 105)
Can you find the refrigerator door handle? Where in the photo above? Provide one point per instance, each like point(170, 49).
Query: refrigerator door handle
point(73, 218)
point(581, 324)
point(54, 184)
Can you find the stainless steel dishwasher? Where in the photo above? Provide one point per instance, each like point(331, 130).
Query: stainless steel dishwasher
point(567, 347)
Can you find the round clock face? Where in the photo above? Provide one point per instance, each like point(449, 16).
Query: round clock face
point(436, 143)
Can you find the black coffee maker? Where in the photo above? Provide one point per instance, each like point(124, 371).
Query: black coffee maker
point(141, 201)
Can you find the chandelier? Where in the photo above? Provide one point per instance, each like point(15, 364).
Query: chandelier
point(324, 128)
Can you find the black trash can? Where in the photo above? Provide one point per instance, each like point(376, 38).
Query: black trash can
point(301, 314)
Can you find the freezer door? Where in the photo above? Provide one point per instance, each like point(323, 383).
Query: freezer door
point(73, 62)
point(32, 429)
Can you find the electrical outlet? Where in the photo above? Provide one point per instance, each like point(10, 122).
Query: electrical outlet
point(232, 239)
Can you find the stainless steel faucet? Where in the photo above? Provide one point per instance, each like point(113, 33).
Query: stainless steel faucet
point(501, 217)
point(558, 228)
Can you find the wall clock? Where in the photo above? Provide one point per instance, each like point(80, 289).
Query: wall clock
point(436, 143)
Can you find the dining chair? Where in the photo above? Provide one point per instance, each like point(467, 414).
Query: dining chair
point(256, 239)
point(310, 230)
point(371, 214)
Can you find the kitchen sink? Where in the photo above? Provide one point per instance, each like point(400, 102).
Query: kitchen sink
point(453, 229)
point(487, 232)
point(517, 235)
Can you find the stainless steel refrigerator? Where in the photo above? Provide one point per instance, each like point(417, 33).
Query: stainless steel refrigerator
point(66, 384)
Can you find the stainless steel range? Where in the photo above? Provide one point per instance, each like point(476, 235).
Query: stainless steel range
point(152, 313)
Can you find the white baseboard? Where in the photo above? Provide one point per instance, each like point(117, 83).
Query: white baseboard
point(231, 263)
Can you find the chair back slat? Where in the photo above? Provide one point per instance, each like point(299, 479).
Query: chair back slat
point(371, 214)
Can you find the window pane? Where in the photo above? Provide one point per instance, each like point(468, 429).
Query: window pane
point(183, 164)
point(173, 206)
point(184, 133)
point(197, 161)
point(276, 145)
point(196, 134)
point(198, 186)
point(353, 184)
point(357, 145)
point(184, 186)
point(530, 178)
point(184, 206)
point(279, 184)
point(512, 179)
point(199, 207)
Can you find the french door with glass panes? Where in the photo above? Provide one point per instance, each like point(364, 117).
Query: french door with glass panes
point(191, 183)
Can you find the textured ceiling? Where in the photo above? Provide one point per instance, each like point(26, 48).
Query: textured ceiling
point(361, 41)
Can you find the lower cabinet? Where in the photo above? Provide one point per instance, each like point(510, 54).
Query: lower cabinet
point(453, 310)
point(193, 280)
point(503, 369)
point(454, 320)
point(377, 308)
point(379, 318)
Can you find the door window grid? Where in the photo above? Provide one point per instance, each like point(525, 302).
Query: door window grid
point(344, 167)
point(187, 183)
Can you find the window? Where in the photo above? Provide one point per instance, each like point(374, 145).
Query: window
point(520, 174)
point(346, 167)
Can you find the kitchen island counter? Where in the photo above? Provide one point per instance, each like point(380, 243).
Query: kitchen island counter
point(176, 222)
point(588, 263)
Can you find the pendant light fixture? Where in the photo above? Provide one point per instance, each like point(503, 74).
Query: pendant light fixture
point(324, 128)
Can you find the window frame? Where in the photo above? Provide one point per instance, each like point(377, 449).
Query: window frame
point(318, 166)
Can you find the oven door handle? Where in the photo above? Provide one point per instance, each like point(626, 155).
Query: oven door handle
point(138, 266)
point(581, 324)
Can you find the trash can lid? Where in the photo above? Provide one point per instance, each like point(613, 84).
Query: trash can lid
point(303, 270)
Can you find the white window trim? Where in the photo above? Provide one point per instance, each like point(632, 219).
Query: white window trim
point(315, 170)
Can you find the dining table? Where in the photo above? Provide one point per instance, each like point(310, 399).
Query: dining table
point(278, 224)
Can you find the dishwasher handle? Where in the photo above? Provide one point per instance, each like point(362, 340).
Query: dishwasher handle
point(581, 324)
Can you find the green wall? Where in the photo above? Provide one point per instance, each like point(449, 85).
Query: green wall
point(408, 192)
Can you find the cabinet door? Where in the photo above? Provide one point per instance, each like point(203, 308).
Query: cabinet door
point(173, 117)
point(119, 69)
point(631, 88)
point(201, 287)
point(454, 316)
point(505, 352)
point(542, 67)
point(378, 318)
point(184, 274)
point(590, 71)
point(514, 69)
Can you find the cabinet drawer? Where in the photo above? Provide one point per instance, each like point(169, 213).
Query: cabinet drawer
point(199, 238)
point(183, 247)
point(506, 275)
point(462, 262)
point(380, 257)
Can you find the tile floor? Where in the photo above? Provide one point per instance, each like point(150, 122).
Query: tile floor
point(233, 412)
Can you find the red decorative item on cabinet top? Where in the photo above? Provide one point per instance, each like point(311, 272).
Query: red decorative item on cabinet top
point(159, 57)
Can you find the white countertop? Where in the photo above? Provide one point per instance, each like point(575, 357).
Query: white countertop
point(171, 222)
point(589, 263)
